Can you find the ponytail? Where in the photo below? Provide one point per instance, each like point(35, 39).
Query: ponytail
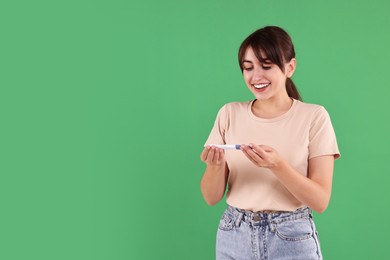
point(292, 90)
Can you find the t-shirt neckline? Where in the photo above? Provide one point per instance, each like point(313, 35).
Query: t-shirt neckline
point(270, 120)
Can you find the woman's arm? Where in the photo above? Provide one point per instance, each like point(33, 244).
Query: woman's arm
point(314, 190)
point(213, 183)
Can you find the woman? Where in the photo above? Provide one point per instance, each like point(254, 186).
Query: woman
point(284, 166)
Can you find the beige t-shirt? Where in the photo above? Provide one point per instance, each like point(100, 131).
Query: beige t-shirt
point(303, 132)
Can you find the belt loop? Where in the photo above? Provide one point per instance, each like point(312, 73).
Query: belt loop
point(270, 223)
point(238, 219)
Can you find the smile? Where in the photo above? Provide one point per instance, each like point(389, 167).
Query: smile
point(259, 86)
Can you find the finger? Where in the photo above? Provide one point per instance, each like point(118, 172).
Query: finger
point(246, 153)
point(211, 154)
point(204, 154)
point(266, 148)
point(252, 155)
point(218, 155)
point(259, 149)
point(250, 150)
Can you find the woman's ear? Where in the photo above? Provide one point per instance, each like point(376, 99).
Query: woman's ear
point(290, 67)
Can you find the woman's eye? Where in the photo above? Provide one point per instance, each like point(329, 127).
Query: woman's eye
point(248, 68)
point(266, 67)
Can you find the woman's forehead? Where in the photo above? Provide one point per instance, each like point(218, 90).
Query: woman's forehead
point(258, 55)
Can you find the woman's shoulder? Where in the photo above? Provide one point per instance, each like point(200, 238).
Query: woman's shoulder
point(309, 107)
point(313, 111)
point(236, 106)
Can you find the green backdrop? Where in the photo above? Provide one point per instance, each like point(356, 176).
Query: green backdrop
point(105, 106)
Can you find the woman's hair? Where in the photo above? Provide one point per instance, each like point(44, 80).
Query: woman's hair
point(277, 47)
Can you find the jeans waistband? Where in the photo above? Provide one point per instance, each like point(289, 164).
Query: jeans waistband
point(257, 218)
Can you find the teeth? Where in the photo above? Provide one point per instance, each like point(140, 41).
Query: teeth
point(261, 85)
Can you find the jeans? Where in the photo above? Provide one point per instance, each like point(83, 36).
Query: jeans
point(250, 235)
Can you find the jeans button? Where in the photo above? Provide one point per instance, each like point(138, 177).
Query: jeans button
point(256, 218)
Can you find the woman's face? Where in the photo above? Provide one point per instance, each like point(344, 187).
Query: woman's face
point(265, 80)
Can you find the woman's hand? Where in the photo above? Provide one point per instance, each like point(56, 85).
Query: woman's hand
point(213, 183)
point(262, 155)
point(313, 190)
point(213, 156)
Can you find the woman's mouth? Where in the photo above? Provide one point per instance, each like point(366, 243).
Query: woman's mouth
point(261, 87)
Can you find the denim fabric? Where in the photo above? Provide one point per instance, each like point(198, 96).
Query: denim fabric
point(249, 235)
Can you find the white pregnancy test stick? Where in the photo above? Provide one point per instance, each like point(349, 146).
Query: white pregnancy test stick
point(226, 146)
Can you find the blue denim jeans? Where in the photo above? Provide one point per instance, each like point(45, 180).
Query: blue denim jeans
point(250, 235)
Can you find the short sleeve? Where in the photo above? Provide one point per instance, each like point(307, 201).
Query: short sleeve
point(322, 138)
point(217, 134)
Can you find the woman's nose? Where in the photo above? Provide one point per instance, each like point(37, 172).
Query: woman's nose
point(258, 73)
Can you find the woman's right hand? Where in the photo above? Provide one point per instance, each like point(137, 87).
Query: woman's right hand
point(213, 183)
point(213, 156)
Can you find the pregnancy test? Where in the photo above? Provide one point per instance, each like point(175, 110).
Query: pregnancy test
point(226, 146)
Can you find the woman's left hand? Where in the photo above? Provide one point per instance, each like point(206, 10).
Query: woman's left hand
point(262, 155)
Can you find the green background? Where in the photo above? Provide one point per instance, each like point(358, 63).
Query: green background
point(105, 106)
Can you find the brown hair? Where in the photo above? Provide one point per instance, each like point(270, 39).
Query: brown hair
point(277, 47)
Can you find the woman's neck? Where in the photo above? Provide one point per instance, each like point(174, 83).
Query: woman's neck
point(271, 108)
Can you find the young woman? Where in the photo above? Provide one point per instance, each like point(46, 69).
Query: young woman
point(283, 167)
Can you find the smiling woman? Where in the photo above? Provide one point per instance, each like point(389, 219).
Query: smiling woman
point(284, 165)
point(260, 49)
